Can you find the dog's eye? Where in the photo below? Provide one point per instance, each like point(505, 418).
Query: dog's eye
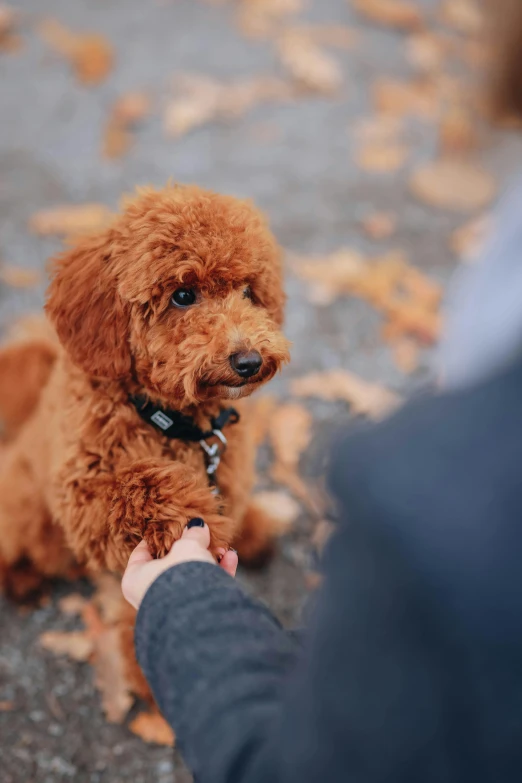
point(247, 292)
point(183, 297)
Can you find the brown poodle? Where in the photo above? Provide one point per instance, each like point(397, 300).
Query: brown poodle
point(175, 308)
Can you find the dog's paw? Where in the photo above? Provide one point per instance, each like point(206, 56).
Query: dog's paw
point(161, 537)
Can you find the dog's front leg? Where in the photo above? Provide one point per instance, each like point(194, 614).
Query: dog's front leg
point(155, 501)
point(151, 499)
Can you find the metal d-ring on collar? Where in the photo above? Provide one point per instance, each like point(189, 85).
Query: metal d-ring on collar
point(214, 454)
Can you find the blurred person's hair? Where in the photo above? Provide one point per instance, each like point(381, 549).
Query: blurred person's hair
point(505, 33)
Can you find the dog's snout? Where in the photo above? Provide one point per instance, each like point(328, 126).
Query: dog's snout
point(246, 363)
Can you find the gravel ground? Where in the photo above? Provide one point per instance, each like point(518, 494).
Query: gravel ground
point(295, 162)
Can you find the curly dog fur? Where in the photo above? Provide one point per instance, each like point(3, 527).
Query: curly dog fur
point(84, 478)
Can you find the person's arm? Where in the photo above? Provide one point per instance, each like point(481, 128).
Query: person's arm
point(364, 702)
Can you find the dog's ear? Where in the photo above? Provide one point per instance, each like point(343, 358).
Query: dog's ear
point(83, 303)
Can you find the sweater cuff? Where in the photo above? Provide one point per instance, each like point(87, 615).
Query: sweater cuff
point(176, 592)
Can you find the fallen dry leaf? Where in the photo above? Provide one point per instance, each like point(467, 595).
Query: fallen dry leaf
point(377, 128)
point(9, 41)
point(19, 278)
point(72, 604)
point(152, 727)
point(464, 15)
point(90, 54)
point(280, 507)
point(453, 184)
point(420, 97)
point(468, 240)
point(70, 219)
point(8, 17)
point(408, 299)
point(382, 157)
point(261, 18)
point(108, 597)
point(260, 410)
point(132, 107)
point(100, 643)
point(364, 398)
point(201, 99)
point(289, 478)
point(400, 14)
point(321, 535)
point(330, 276)
point(290, 433)
point(6, 706)
point(117, 139)
point(379, 225)
point(427, 51)
point(109, 678)
point(308, 64)
point(337, 35)
point(406, 355)
point(127, 112)
point(457, 130)
point(77, 645)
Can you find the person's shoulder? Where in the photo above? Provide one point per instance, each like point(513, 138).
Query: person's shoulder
point(437, 454)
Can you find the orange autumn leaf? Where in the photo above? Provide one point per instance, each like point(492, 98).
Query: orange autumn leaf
point(261, 18)
point(427, 51)
point(321, 535)
point(379, 225)
point(468, 240)
point(453, 184)
point(153, 728)
point(132, 107)
point(457, 130)
point(337, 35)
point(108, 598)
point(406, 355)
point(201, 99)
point(407, 298)
point(280, 507)
point(413, 319)
point(17, 277)
point(89, 54)
point(290, 433)
point(364, 398)
point(73, 604)
point(419, 97)
point(128, 111)
point(330, 276)
point(70, 219)
point(400, 14)
point(74, 644)
point(6, 705)
point(109, 677)
point(9, 41)
point(260, 410)
point(117, 139)
point(464, 15)
point(308, 64)
point(381, 157)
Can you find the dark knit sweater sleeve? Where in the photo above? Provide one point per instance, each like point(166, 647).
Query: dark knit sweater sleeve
point(216, 661)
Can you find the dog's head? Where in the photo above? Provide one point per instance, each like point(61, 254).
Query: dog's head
point(182, 295)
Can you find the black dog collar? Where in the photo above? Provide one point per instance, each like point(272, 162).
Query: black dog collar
point(174, 424)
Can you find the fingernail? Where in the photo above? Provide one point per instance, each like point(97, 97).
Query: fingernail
point(196, 522)
point(232, 550)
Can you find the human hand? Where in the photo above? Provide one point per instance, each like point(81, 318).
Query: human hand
point(142, 570)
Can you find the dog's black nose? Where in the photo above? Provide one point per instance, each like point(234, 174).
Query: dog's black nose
point(246, 363)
